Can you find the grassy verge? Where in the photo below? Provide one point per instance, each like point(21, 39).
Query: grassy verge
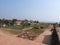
point(35, 31)
point(17, 27)
point(14, 27)
point(15, 32)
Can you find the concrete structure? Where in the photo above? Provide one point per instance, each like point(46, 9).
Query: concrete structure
point(4, 25)
point(58, 32)
point(55, 38)
point(18, 22)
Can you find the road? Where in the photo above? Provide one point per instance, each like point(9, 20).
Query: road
point(9, 39)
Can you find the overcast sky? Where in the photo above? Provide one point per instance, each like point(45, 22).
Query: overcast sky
point(41, 10)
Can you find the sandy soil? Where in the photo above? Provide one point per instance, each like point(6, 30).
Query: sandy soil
point(8, 39)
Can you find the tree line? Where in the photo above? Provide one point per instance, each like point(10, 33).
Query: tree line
point(12, 22)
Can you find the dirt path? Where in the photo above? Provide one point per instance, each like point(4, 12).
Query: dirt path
point(6, 39)
point(44, 38)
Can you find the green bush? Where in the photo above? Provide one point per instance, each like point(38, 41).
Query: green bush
point(35, 31)
point(13, 31)
point(15, 27)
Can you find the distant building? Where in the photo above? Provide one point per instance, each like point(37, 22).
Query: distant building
point(18, 22)
point(4, 25)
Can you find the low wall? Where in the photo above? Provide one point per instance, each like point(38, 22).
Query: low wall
point(54, 38)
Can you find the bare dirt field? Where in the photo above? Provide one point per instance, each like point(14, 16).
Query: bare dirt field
point(9, 39)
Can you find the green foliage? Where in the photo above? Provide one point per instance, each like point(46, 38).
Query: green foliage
point(13, 21)
point(45, 26)
point(35, 27)
point(14, 27)
point(35, 31)
point(26, 25)
point(36, 21)
point(16, 32)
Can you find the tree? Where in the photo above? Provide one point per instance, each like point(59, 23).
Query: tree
point(36, 21)
point(0, 20)
point(13, 21)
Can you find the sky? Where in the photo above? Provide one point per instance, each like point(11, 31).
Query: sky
point(41, 10)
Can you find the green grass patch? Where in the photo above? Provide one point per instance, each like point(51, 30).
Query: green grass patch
point(35, 31)
point(16, 32)
point(15, 27)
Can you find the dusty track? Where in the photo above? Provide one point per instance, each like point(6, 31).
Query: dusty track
point(7, 39)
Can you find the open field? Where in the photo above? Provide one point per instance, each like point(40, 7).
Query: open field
point(9, 39)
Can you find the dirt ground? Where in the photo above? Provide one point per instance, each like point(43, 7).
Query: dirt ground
point(8, 39)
